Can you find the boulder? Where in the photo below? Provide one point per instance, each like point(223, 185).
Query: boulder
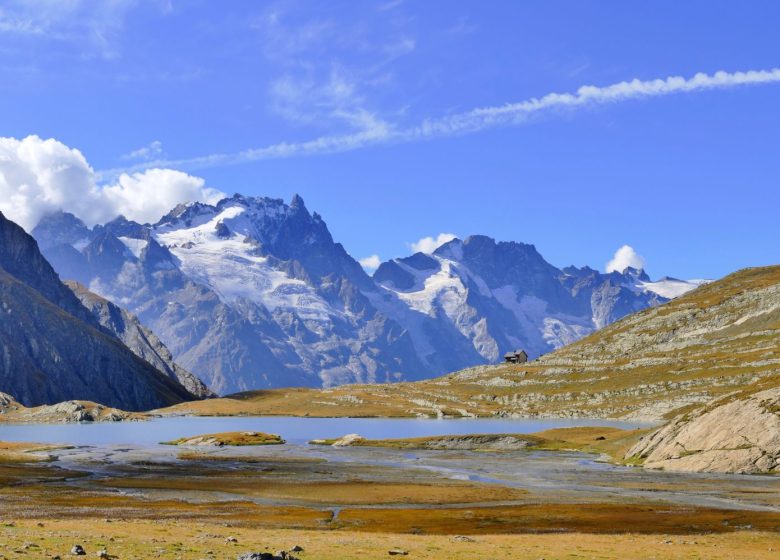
point(280, 555)
point(733, 434)
point(347, 440)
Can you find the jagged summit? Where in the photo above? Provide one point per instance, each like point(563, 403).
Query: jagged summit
point(254, 292)
point(60, 228)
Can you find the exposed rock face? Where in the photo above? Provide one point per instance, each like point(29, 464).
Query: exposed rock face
point(67, 411)
point(76, 411)
point(140, 340)
point(347, 440)
point(52, 349)
point(731, 435)
point(8, 404)
point(252, 293)
point(21, 259)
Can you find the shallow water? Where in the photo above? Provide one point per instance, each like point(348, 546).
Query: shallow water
point(119, 449)
point(292, 429)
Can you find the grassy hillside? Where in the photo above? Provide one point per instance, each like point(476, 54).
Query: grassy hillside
point(720, 338)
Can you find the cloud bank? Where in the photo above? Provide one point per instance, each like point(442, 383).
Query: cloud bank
point(370, 263)
point(428, 245)
point(372, 130)
point(624, 257)
point(39, 176)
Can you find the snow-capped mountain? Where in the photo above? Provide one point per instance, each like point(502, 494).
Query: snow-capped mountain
point(505, 295)
point(253, 292)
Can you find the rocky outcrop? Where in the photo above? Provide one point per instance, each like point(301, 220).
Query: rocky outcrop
point(140, 340)
point(68, 411)
point(52, 348)
point(348, 440)
point(731, 435)
point(278, 555)
point(77, 411)
point(8, 404)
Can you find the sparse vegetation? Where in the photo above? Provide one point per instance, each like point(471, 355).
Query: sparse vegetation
point(720, 338)
point(163, 538)
point(612, 442)
point(229, 438)
point(22, 452)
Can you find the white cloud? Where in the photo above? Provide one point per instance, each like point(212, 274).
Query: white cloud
point(41, 176)
point(147, 196)
point(624, 257)
point(151, 151)
point(484, 118)
point(428, 245)
point(370, 263)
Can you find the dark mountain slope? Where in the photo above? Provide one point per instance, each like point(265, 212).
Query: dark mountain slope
point(140, 340)
point(52, 348)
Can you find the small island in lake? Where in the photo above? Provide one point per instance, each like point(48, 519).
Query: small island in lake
point(222, 439)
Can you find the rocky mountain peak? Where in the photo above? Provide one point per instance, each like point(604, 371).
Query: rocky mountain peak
point(184, 214)
point(292, 303)
point(297, 203)
point(638, 274)
point(60, 228)
point(122, 227)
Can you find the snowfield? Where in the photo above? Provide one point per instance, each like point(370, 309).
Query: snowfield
point(229, 264)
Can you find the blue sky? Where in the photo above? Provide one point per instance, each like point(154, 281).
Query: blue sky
point(367, 110)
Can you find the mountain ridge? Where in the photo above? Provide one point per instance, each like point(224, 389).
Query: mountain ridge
point(53, 349)
point(137, 338)
point(720, 339)
point(294, 308)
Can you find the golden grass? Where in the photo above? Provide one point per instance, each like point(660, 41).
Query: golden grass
point(613, 442)
point(357, 492)
point(25, 452)
point(192, 541)
point(467, 442)
point(42, 518)
point(237, 439)
point(556, 518)
point(223, 458)
point(592, 377)
point(49, 502)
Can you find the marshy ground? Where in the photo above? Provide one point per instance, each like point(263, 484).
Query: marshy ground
point(360, 502)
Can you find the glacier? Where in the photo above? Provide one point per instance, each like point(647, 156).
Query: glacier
point(253, 292)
